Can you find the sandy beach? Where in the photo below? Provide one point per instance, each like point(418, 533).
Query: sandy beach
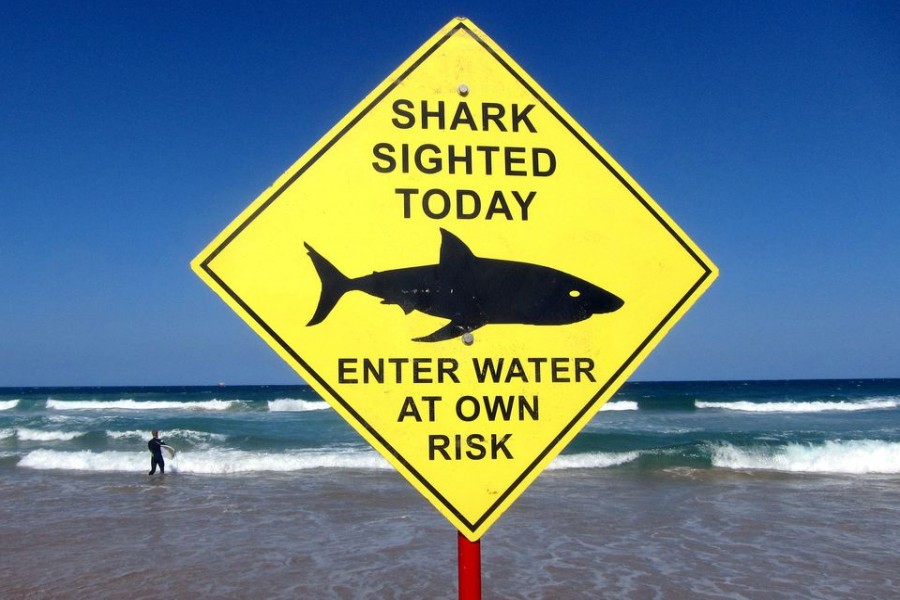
point(369, 535)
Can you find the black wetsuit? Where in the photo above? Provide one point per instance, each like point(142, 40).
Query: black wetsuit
point(155, 446)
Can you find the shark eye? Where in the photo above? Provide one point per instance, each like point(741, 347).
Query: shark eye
point(574, 293)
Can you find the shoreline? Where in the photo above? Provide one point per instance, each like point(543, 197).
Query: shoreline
point(678, 533)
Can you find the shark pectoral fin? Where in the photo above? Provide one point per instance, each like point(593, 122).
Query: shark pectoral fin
point(407, 308)
point(447, 332)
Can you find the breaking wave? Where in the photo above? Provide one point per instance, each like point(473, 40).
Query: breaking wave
point(207, 462)
point(852, 457)
point(620, 405)
point(802, 407)
point(294, 405)
point(38, 435)
point(593, 460)
point(127, 404)
point(177, 434)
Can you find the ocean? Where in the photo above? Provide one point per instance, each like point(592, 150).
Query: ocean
point(752, 489)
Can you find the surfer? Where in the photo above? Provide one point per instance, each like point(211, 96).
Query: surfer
point(156, 458)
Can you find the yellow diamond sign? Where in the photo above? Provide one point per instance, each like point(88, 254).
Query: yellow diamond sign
point(461, 271)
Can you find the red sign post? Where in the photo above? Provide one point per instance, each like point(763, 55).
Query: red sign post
point(469, 558)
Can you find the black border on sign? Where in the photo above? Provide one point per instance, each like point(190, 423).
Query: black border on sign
point(707, 272)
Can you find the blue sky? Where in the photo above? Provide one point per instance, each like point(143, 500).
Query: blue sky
point(132, 132)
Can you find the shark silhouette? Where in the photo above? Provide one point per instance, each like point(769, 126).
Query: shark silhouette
point(470, 291)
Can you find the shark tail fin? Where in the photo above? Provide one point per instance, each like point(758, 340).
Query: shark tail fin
point(334, 285)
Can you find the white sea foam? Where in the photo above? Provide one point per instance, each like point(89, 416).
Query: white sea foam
point(180, 434)
point(40, 435)
point(237, 461)
point(295, 405)
point(128, 404)
point(8, 404)
point(84, 460)
point(857, 457)
point(7, 433)
point(125, 435)
point(207, 462)
point(67, 418)
point(620, 405)
point(803, 407)
point(593, 460)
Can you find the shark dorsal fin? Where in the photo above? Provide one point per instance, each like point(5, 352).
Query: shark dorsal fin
point(454, 251)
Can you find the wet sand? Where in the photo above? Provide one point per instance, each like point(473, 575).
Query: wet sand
point(673, 534)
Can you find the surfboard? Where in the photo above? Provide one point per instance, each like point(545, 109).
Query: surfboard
point(169, 450)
